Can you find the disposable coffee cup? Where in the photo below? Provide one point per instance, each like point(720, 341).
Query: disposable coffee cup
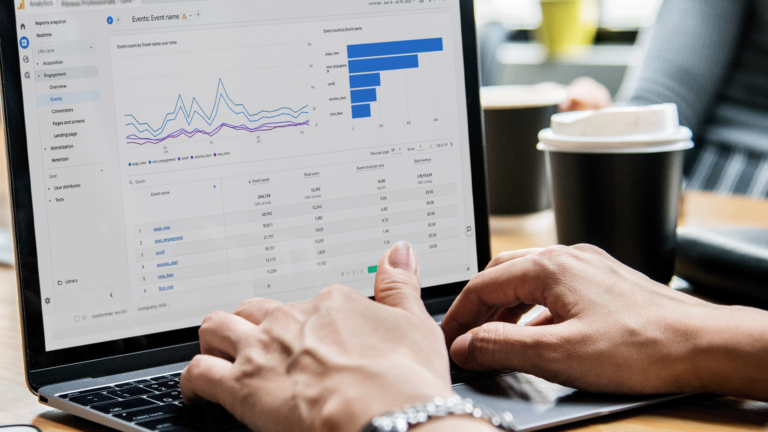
point(517, 175)
point(616, 181)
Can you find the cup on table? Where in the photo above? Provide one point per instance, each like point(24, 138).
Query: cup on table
point(514, 115)
point(616, 180)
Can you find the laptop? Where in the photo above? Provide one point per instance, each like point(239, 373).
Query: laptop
point(171, 158)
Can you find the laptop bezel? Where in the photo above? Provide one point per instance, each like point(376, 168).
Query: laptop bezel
point(48, 367)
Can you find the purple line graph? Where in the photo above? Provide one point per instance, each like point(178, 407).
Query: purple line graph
point(136, 140)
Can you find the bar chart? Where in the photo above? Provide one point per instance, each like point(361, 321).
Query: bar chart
point(368, 61)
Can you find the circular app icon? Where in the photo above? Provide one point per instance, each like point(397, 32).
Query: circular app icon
point(24, 42)
point(27, 75)
point(110, 20)
point(26, 59)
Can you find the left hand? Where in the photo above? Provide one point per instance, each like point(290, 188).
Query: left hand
point(330, 364)
point(585, 93)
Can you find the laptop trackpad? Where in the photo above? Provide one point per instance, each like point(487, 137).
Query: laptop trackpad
point(535, 403)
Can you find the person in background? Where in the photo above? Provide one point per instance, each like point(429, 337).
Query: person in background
point(710, 57)
point(334, 363)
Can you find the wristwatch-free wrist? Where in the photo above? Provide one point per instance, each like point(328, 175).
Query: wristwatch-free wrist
point(411, 415)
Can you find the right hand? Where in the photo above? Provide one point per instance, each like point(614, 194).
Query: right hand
point(608, 328)
point(329, 364)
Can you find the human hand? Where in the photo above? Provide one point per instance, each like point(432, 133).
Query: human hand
point(585, 93)
point(608, 328)
point(330, 364)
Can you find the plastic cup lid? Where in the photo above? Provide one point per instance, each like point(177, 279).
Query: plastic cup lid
point(652, 128)
point(506, 97)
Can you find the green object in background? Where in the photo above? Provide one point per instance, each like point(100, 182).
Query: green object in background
point(372, 269)
point(567, 25)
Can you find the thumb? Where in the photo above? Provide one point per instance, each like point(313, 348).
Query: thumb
point(397, 279)
point(504, 346)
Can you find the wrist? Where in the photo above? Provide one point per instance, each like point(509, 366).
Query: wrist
point(730, 353)
point(438, 409)
point(455, 424)
point(364, 392)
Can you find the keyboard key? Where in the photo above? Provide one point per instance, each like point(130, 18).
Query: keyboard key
point(129, 392)
point(173, 385)
point(161, 378)
point(176, 375)
point(92, 398)
point(123, 405)
point(142, 382)
point(159, 387)
point(166, 397)
point(86, 391)
point(149, 413)
point(209, 417)
point(123, 385)
point(203, 413)
point(163, 424)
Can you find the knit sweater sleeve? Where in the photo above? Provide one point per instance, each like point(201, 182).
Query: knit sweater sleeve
point(688, 55)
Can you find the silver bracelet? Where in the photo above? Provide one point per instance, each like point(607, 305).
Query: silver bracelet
point(411, 415)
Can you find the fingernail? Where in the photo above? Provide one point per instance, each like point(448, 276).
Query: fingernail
point(460, 349)
point(402, 256)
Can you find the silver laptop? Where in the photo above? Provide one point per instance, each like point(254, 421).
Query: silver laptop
point(170, 158)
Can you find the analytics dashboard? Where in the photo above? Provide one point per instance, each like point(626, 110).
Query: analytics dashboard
point(187, 156)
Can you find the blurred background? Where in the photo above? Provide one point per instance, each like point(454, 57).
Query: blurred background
point(511, 50)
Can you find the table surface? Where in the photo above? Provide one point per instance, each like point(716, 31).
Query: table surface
point(18, 405)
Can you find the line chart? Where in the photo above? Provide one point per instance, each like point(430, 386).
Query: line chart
point(261, 121)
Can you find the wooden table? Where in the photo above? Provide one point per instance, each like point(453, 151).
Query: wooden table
point(18, 405)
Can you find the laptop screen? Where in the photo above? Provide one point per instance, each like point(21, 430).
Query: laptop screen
point(185, 156)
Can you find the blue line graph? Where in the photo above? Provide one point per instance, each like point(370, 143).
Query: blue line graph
point(265, 120)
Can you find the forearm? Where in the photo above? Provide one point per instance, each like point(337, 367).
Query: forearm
point(730, 356)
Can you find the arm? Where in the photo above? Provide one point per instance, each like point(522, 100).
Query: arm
point(608, 328)
point(330, 364)
point(733, 348)
point(687, 57)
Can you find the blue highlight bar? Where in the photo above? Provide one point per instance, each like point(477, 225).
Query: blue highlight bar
point(394, 48)
point(364, 95)
point(366, 61)
point(366, 80)
point(361, 111)
point(383, 64)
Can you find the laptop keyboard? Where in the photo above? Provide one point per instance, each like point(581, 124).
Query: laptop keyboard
point(154, 404)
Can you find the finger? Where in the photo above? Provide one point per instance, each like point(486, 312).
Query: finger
point(256, 310)
point(207, 378)
point(542, 319)
point(397, 279)
point(502, 346)
point(512, 315)
point(221, 334)
point(523, 280)
point(512, 255)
